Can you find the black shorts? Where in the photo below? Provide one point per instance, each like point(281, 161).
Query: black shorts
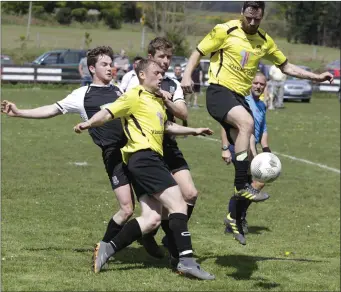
point(116, 169)
point(174, 158)
point(220, 100)
point(148, 173)
point(196, 88)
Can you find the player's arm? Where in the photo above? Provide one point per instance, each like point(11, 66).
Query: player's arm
point(175, 104)
point(210, 43)
point(225, 152)
point(175, 129)
point(119, 108)
point(298, 72)
point(277, 57)
point(253, 149)
point(80, 69)
point(43, 112)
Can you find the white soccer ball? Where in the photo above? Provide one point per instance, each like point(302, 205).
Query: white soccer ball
point(266, 167)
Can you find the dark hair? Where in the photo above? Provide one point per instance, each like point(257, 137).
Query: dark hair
point(159, 43)
point(137, 58)
point(177, 65)
point(92, 55)
point(254, 4)
point(143, 65)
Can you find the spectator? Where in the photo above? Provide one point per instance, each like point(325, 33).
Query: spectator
point(130, 79)
point(197, 76)
point(83, 70)
point(178, 72)
point(121, 63)
point(276, 87)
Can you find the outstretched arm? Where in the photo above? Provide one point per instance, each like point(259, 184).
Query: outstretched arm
point(97, 120)
point(175, 129)
point(43, 112)
point(295, 71)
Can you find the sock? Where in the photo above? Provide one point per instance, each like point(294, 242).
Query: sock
point(130, 232)
point(241, 169)
point(178, 224)
point(246, 204)
point(173, 250)
point(189, 210)
point(112, 230)
point(233, 207)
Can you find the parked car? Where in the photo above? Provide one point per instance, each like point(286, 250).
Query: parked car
point(334, 68)
point(6, 60)
point(298, 89)
point(62, 58)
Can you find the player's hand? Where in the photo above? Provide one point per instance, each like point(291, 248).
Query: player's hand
point(9, 108)
point(81, 127)
point(203, 131)
point(165, 95)
point(187, 85)
point(326, 76)
point(226, 156)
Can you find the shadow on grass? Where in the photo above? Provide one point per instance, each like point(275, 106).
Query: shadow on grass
point(258, 229)
point(246, 265)
point(129, 258)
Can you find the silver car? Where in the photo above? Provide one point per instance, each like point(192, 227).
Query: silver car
point(298, 89)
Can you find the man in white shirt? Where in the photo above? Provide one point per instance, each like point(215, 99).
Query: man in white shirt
point(276, 87)
point(130, 79)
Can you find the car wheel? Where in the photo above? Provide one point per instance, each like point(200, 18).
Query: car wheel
point(305, 100)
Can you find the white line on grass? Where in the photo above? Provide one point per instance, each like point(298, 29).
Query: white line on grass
point(290, 157)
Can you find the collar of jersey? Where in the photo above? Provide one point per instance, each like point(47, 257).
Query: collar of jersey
point(98, 85)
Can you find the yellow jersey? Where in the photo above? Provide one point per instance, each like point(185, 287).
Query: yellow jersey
point(143, 117)
point(235, 55)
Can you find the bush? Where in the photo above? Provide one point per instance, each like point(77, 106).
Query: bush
point(112, 18)
point(64, 16)
point(79, 14)
point(180, 43)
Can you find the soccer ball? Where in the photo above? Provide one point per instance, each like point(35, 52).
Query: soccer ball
point(266, 167)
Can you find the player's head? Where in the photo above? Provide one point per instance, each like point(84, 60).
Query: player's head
point(123, 53)
point(149, 74)
point(99, 62)
point(136, 60)
point(258, 85)
point(252, 14)
point(177, 70)
point(161, 50)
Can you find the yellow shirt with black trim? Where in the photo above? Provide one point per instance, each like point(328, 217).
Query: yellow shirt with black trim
point(143, 116)
point(235, 55)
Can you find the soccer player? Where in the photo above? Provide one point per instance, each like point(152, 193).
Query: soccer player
point(236, 48)
point(130, 80)
point(144, 118)
point(86, 101)
point(161, 50)
point(260, 135)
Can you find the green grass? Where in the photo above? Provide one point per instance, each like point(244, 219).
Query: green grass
point(129, 37)
point(53, 211)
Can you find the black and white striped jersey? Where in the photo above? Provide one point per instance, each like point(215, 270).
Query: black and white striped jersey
point(172, 86)
point(88, 100)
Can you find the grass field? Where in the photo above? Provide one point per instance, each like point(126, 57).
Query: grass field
point(129, 37)
point(54, 211)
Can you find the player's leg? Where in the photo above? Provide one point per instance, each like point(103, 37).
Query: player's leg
point(173, 201)
point(149, 220)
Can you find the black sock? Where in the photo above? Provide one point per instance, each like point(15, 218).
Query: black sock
point(178, 224)
point(246, 205)
point(112, 230)
point(241, 170)
point(233, 207)
point(189, 210)
point(130, 232)
point(173, 250)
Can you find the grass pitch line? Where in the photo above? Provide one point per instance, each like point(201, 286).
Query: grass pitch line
point(290, 157)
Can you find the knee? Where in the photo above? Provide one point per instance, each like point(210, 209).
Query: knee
point(154, 220)
point(190, 195)
point(247, 126)
point(127, 211)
